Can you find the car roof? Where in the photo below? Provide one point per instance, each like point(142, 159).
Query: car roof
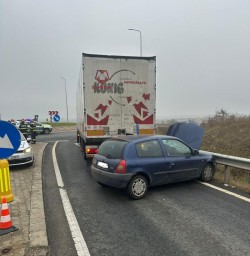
point(129, 138)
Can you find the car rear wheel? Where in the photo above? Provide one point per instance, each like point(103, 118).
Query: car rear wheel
point(207, 173)
point(137, 187)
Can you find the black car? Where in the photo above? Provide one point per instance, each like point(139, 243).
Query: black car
point(136, 162)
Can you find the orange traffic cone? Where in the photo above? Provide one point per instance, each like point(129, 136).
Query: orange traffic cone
point(5, 221)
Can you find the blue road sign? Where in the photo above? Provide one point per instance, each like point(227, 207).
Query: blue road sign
point(56, 118)
point(10, 139)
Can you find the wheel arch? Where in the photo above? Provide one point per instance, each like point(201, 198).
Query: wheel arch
point(212, 163)
point(143, 174)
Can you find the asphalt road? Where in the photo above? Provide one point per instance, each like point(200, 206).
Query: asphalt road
point(185, 218)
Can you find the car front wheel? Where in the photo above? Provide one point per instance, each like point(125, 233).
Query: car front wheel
point(207, 173)
point(46, 131)
point(137, 187)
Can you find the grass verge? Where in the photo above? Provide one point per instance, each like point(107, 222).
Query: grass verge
point(60, 124)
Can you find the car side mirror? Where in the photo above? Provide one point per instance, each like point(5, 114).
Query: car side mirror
point(196, 152)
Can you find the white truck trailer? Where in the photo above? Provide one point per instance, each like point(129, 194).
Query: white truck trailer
point(115, 95)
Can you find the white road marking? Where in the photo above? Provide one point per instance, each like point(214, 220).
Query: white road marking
point(56, 167)
point(225, 191)
point(80, 244)
point(56, 141)
point(77, 144)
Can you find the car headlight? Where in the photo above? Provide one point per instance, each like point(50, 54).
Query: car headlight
point(27, 150)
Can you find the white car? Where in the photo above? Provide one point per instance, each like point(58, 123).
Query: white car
point(24, 155)
point(43, 128)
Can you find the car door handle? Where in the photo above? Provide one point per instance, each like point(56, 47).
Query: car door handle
point(172, 164)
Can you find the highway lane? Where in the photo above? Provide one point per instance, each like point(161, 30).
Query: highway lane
point(53, 137)
point(185, 218)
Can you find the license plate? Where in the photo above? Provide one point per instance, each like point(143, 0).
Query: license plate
point(102, 165)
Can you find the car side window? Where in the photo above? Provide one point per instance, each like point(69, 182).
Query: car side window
point(150, 148)
point(176, 148)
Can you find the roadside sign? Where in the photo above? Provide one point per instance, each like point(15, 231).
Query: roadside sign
point(10, 139)
point(52, 113)
point(56, 118)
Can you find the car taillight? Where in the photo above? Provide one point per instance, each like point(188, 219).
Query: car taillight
point(121, 168)
point(91, 150)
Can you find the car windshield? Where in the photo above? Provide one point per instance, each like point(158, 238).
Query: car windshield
point(22, 137)
point(112, 148)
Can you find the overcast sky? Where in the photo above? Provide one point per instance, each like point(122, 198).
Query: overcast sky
point(202, 50)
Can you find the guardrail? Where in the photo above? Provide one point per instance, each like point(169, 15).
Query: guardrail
point(229, 162)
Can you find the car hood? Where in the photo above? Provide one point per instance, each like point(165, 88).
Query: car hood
point(190, 133)
point(23, 145)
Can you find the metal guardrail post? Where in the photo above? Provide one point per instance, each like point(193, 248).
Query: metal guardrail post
point(227, 175)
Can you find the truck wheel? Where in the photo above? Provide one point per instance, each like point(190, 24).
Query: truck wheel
point(84, 152)
point(46, 131)
point(137, 187)
point(83, 148)
point(207, 173)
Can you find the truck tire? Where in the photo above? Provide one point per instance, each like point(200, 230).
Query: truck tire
point(83, 148)
point(84, 152)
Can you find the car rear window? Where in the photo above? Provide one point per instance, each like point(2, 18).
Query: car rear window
point(112, 148)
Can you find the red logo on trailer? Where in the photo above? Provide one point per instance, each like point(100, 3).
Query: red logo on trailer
point(103, 85)
point(102, 76)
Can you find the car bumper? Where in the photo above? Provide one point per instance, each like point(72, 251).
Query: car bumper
point(19, 160)
point(115, 180)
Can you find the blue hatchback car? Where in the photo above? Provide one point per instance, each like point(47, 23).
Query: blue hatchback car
point(136, 162)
